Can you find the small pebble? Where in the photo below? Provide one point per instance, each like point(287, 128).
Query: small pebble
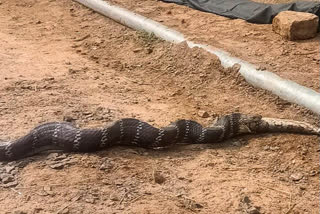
point(53, 155)
point(266, 148)
point(303, 188)
point(236, 143)
point(48, 189)
point(10, 184)
point(7, 179)
point(158, 178)
point(68, 118)
point(203, 114)
point(114, 197)
point(65, 211)
point(57, 166)
point(9, 168)
point(90, 201)
point(296, 176)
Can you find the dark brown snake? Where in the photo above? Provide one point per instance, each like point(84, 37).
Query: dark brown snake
point(64, 136)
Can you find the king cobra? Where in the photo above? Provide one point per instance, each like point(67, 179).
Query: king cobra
point(66, 137)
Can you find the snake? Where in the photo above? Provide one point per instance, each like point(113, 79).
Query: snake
point(134, 132)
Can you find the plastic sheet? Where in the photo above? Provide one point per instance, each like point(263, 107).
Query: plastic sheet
point(250, 11)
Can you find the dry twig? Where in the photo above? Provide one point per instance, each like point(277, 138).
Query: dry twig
point(68, 205)
point(280, 191)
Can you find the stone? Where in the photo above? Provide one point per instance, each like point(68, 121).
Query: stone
point(203, 114)
point(10, 184)
point(246, 200)
point(158, 178)
point(293, 25)
point(274, 148)
point(57, 166)
point(266, 148)
point(48, 190)
point(14, 172)
point(7, 179)
point(53, 156)
point(9, 169)
point(61, 157)
point(107, 165)
point(114, 197)
point(65, 211)
point(303, 188)
point(236, 143)
point(2, 175)
point(69, 118)
point(90, 200)
point(296, 176)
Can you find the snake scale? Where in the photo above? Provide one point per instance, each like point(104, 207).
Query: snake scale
point(64, 136)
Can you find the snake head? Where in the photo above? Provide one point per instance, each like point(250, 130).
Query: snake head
point(248, 123)
point(239, 123)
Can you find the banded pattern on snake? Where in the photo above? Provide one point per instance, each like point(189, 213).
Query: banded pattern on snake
point(64, 136)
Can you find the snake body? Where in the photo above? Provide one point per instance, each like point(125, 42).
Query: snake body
point(64, 136)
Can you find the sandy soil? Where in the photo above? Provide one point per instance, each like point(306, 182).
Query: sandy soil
point(60, 61)
point(257, 44)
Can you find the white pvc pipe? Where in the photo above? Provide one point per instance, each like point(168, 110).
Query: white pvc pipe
point(285, 89)
point(133, 20)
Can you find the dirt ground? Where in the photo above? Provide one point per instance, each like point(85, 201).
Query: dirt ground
point(61, 61)
point(257, 44)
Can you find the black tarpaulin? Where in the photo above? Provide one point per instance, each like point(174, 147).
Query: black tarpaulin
point(248, 10)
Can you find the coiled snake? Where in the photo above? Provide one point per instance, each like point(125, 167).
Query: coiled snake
point(64, 136)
